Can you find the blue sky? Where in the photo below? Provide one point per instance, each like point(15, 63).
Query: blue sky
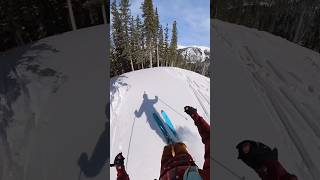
point(192, 16)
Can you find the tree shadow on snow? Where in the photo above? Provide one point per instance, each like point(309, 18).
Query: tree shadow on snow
point(12, 85)
point(93, 166)
point(114, 83)
point(147, 107)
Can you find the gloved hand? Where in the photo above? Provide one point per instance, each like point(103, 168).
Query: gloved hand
point(118, 160)
point(190, 110)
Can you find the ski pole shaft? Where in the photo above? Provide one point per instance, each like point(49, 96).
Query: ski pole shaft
point(134, 120)
point(172, 109)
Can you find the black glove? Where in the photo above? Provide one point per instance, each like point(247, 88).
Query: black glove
point(257, 153)
point(190, 110)
point(118, 160)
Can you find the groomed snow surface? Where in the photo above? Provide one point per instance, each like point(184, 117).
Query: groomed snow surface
point(134, 132)
point(266, 89)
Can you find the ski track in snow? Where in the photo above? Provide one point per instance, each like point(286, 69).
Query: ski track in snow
point(278, 78)
point(196, 94)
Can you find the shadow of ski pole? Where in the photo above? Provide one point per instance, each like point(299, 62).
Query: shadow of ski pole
point(228, 169)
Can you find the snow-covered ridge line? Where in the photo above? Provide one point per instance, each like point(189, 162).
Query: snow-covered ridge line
point(194, 46)
point(195, 53)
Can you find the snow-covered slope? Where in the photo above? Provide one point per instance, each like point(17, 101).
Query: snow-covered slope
point(59, 110)
point(133, 129)
point(266, 89)
point(195, 53)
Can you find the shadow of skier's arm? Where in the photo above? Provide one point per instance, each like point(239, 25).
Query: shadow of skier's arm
point(140, 111)
point(93, 166)
point(154, 101)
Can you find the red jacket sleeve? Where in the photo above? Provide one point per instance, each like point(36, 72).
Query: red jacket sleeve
point(121, 173)
point(204, 131)
point(273, 170)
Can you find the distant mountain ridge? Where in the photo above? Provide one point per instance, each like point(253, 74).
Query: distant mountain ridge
point(194, 54)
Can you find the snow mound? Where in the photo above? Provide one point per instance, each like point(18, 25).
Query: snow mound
point(135, 96)
point(267, 90)
point(59, 108)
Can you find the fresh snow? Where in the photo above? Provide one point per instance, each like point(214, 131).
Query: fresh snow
point(136, 134)
point(266, 89)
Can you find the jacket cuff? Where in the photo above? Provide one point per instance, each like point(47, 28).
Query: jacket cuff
point(194, 115)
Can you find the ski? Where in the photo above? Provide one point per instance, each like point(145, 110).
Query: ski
point(162, 128)
point(169, 123)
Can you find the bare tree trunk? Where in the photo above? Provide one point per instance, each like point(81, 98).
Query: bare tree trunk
point(91, 16)
point(150, 54)
point(104, 13)
point(204, 69)
point(131, 63)
point(72, 20)
point(157, 55)
point(297, 33)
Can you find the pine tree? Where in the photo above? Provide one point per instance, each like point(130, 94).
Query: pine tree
point(114, 39)
point(149, 27)
point(156, 35)
point(23, 22)
point(141, 42)
point(92, 6)
point(125, 18)
point(306, 6)
point(161, 46)
point(117, 62)
point(133, 39)
point(166, 45)
point(173, 43)
point(136, 42)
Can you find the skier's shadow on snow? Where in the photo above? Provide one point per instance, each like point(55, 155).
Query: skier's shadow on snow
point(93, 166)
point(147, 107)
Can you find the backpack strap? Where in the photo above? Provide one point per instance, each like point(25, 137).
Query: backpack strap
point(192, 172)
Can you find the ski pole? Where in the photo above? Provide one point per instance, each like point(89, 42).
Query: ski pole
point(228, 169)
point(173, 109)
point(134, 120)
